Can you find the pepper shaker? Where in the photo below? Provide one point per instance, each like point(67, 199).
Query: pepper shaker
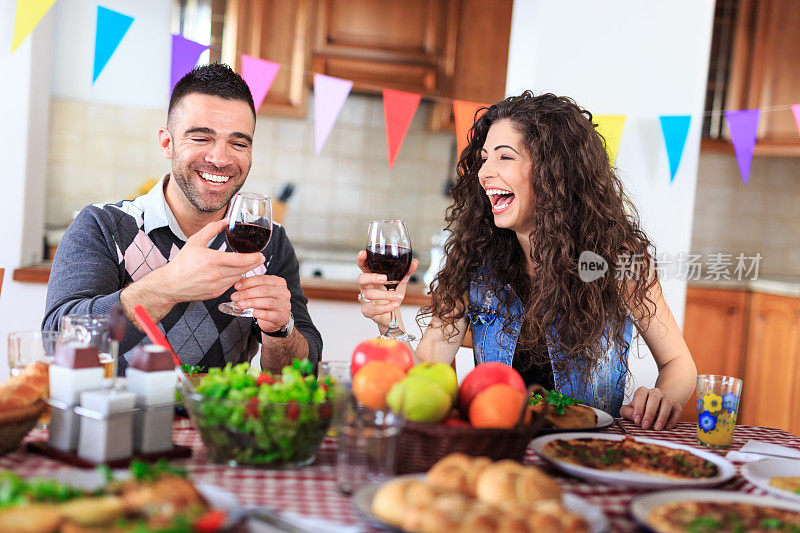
point(151, 376)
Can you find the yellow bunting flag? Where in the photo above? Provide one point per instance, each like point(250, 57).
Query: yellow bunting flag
point(465, 117)
point(610, 127)
point(27, 16)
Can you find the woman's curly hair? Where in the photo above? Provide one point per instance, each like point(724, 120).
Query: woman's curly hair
point(580, 206)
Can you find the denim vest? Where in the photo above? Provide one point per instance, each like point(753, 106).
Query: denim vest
point(491, 343)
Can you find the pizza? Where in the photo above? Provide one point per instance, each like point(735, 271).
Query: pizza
point(722, 517)
point(630, 454)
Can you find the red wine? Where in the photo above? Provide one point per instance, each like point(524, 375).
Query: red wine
point(391, 261)
point(247, 238)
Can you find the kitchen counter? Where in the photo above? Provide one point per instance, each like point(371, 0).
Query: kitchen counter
point(779, 286)
point(313, 288)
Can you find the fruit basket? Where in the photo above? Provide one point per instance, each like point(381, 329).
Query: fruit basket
point(14, 425)
point(421, 444)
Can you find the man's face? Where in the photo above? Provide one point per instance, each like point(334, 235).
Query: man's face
point(209, 140)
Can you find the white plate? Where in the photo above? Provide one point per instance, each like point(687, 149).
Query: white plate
point(759, 473)
point(641, 506)
point(604, 420)
point(635, 479)
point(362, 500)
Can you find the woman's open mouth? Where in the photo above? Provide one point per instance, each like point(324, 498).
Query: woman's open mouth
point(501, 199)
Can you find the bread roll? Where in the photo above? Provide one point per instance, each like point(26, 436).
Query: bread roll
point(14, 394)
point(457, 472)
point(32, 518)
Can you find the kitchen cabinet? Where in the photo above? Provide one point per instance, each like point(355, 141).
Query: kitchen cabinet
point(764, 71)
point(277, 30)
point(457, 49)
point(771, 389)
point(714, 331)
point(753, 336)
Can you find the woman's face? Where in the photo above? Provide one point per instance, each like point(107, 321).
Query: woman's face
point(505, 175)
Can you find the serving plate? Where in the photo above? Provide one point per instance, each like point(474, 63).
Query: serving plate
point(604, 420)
point(627, 478)
point(642, 506)
point(362, 501)
point(759, 474)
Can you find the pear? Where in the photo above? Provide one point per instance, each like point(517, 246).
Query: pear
point(419, 399)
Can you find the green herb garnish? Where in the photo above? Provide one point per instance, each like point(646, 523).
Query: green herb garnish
point(193, 369)
point(150, 471)
point(704, 524)
point(558, 401)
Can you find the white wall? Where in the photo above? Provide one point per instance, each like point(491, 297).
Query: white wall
point(24, 98)
point(137, 75)
point(640, 59)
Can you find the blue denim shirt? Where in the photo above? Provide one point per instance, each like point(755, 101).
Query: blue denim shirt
point(491, 343)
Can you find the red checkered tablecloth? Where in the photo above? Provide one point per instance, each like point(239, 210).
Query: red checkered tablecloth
point(312, 490)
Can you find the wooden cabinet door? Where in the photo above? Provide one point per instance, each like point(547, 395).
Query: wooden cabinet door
point(765, 69)
point(714, 327)
point(277, 30)
point(770, 392)
point(397, 44)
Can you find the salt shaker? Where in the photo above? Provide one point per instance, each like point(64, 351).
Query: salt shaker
point(151, 376)
point(106, 432)
point(76, 368)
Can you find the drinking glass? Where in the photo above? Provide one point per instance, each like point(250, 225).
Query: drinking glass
point(717, 407)
point(367, 444)
point(340, 372)
point(389, 253)
point(92, 330)
point(249, 229)
point(26, 347)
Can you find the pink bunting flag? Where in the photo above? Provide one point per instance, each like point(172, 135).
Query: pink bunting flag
point(796, 112)
point(259, 74)
point(185, 54)
point(398, 112)
point(329, 97)
point(743, 126)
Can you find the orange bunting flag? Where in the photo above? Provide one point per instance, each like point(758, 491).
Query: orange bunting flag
point(466, 113)
point(398, 112)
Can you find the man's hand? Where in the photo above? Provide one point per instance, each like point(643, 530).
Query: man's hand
point(196, 273)
point(650, 407)
point(268, 297)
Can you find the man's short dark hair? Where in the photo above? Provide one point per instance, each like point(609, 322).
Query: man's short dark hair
point(216, 79)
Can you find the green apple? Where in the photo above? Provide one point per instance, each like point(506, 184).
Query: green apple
point(440, 373)
point(419, 399)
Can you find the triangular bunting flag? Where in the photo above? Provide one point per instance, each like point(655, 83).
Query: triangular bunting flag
point(465, 117)
point(610, 127)
point(259, 74)
point(398, 112)
point(28, 14)
point(796, 112)
point(329, 97)
point(185, 54)
point(675, 129)
point(743, 126)
point(111, 28)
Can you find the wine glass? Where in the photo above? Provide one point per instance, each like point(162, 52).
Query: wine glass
point(249, 229)
point(389, 253)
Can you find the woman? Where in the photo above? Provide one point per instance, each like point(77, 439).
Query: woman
point(534, 191)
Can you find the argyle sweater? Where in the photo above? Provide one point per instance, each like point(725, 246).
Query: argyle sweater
point(109, 246)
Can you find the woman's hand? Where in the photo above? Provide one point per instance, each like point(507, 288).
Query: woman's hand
point(649, 407)
point(377, 302)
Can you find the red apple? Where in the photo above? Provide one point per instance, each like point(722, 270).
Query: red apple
point(484, 376)
point(379, 349)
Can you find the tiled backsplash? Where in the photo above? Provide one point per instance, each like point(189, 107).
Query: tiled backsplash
point(760, 216)
point(101, 153)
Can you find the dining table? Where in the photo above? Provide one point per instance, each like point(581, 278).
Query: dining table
point(312, 490)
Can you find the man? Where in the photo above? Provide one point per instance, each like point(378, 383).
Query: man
point(165, 250)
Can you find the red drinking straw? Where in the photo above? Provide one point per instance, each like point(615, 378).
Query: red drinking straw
point(152, 331)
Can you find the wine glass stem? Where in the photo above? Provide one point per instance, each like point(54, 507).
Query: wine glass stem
point(392, 317)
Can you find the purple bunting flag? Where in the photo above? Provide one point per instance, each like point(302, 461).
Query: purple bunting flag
point(185, 54)
point(329, 97)
point(258, 74)
point(743, 126)
point(796, 113)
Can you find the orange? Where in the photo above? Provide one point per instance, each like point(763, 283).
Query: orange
point(498, 406)
point(373, 381)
